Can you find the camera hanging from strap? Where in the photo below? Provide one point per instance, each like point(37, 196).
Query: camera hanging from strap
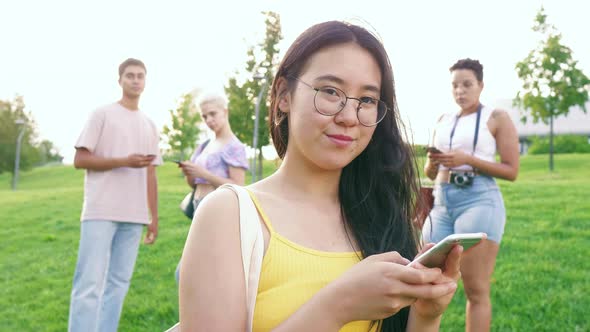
point(466, 179)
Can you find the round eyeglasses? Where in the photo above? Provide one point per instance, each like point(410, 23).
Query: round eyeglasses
point(330, 101)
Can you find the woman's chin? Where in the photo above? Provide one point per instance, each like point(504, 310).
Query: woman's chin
point(333, 164)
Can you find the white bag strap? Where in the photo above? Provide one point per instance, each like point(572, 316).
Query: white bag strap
point(252, 243)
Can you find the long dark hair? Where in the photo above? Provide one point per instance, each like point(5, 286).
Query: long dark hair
point(377, 189)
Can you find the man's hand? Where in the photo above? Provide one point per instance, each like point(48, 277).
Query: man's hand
point(139, 160)
point(152, 232)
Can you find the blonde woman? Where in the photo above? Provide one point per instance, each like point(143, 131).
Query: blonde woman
point(219, 160)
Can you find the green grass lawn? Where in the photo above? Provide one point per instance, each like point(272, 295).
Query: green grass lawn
point(541, 281)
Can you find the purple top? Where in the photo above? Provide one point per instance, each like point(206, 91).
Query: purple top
point(232, 154)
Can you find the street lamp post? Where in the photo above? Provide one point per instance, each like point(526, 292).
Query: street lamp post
point(19, 140)
point(256, 114)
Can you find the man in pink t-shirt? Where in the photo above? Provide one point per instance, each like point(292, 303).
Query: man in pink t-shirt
point(118, 148)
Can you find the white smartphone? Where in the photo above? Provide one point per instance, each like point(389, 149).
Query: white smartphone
point(436, 256)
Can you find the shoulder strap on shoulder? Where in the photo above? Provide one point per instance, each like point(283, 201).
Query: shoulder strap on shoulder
point(203, 146)
point(252, 244)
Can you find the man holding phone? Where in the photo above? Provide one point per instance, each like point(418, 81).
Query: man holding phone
point(118, 148)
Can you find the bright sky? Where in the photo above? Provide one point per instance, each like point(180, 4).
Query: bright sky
point(62, 56)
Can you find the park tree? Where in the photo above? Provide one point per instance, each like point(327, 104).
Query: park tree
point(551, 81)
point(11, 112)
point(243, 94)
point(48, 152)
point(183, 132)
point(16, 122)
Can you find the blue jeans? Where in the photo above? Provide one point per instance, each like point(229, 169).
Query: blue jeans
point(473, 209)
point(106, 259)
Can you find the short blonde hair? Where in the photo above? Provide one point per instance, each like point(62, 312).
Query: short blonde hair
point(213, 98)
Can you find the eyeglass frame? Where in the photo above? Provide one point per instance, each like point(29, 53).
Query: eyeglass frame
point(358, 108)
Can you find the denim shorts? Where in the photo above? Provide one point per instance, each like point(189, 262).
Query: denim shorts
point(472, 209)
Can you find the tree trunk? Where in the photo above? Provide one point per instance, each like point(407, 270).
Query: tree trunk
point(260, 168)
point(551, 143)
point(253, 168)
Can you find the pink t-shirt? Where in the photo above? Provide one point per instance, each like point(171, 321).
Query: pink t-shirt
point(119, 194)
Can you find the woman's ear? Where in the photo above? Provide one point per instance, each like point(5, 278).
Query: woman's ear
point(284, 95)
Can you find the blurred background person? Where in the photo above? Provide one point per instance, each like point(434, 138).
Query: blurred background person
point(216, 161)
point(466, 196)
point(118, 148)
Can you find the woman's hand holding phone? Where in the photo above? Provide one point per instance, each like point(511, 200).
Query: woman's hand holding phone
point(433, 153)
point(445, 255)
point(433, 163)
point(431, 308)
point(433, 150)
point(381, 285)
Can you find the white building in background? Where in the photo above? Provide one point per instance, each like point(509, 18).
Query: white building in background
point(575, 123)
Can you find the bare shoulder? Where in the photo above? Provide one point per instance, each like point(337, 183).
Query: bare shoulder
point(219, 209)
point(500, 115)
point(212, 250)
point(500, 119)
point(216, 218)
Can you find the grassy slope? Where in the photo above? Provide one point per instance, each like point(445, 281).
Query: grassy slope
point(541, 280)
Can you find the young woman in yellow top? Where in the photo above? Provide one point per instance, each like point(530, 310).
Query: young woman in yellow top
point(336, 214)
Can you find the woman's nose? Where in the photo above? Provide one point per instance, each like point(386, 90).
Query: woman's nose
point(348, 115)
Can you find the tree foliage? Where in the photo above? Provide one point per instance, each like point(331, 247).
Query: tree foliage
point(184, 130)
point(562, 144)
point(242, 95)
point(48, 152)
point(551, 81)
point(32, 152)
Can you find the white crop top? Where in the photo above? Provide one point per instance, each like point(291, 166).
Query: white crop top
point(463, 137)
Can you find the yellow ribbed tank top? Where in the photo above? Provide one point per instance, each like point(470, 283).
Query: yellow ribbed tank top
point(291, 274)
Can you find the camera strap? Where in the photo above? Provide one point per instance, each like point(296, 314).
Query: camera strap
point(475, 136)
